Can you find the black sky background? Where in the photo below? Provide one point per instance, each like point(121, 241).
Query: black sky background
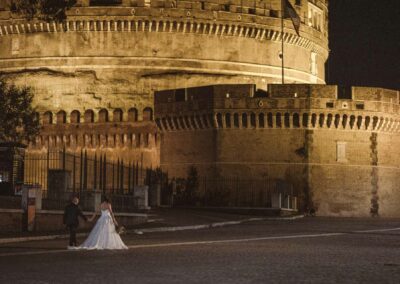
point(364, 42)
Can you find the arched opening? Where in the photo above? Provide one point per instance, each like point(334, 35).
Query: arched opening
point(89, 116)
point(205, 121)
point(170, 124)
point(176, 124)
point(279, 120)
point(375, 122)
point(228, 120)
point(296, 120)
point(352, 121)
point(193, 122)
point(305, 120)
point(287, 120)
point(189, 125)
point(359, 121)
point(321, 120)
point(384, 122)
point(219, 120)
point(198, 120)
point(253, 120)
point(48, 117)
point(337, 120)
point(148, 114)
point(313, 120)
point(329, 120)
point(269, 120)
point(117, 115)
point(61, 117)
point(158, 122)
point(261, 122)
point(344, 121)
point(181, 122)
point(103, 115)
point(367, 122)
point(75, 116)
point(164, 123)
point(236, 120)
point(244, 120)
point(132, 115)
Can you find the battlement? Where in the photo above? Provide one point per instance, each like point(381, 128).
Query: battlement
point(282, 106)
point(253, 19)
point(244, 8)
point(278, 96)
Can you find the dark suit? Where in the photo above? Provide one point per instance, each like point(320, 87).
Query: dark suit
point(71, 220)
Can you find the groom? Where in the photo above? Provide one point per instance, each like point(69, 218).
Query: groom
point(71, 214)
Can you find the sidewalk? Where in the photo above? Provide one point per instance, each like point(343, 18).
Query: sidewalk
point(159, 220)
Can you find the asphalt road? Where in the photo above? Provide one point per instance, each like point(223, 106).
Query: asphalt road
point(309, 250)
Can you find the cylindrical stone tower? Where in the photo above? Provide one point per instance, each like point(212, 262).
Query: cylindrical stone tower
point(116, 53)
point(94, 75)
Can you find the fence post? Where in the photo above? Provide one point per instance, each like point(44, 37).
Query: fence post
point(122, 177)
point(48, 167)
point(133, 175)
point(118, 175)
point(95, 172)
point(129, 177)
point(141, 168)
point(137, 172)
point(104, 173)
point(101, 173)
point(113, 177)
point(80, 174)
point(85, 171)
point(63, 159)
point(73, 172)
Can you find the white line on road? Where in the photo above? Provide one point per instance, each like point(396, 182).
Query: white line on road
point(33, 252)
point(378, 230)
point(235, 240)
point(210, 242)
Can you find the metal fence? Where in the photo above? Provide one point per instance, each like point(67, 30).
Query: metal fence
point(231, 192)
point(85, 175)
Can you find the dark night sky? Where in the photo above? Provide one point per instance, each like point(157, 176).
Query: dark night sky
point(364, 39)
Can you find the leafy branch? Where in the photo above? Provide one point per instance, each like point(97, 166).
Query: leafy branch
point(47, 10)
point(18, 119)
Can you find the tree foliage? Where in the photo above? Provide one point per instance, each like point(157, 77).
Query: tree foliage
point(18, 119)
point(43, 9)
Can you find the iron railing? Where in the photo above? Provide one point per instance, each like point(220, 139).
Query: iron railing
point(229, 192)
point(86, 175)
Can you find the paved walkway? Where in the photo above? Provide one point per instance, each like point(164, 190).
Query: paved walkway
point(160, 219)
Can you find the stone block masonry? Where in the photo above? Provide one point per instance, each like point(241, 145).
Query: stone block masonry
point(340, 154)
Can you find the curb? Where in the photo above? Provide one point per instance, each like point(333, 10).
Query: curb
point(212, 225)
point(153, 230)
point(38, 238)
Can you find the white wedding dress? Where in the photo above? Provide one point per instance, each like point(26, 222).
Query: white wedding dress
point(103, 235)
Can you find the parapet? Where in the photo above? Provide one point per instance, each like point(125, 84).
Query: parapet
point(280, 106)
point(214, 93)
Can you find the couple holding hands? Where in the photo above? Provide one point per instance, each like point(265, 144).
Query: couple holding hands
point(103, 235)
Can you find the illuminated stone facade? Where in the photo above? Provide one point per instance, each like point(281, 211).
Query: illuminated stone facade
point(94, 77)
point(337, 147)
point(102, 65)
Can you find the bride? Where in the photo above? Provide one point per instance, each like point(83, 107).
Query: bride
point(104, 234)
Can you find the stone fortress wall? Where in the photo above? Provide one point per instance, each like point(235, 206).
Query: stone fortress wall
point(121, 135)
point(113, 56)
point(338, 150)
point(111, 59)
